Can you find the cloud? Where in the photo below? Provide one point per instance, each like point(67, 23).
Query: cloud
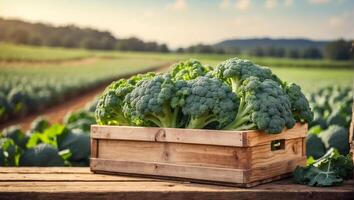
point(243, 5)
point(178, 5)
point(270, 4)
point(288, 3)
point(224, 4)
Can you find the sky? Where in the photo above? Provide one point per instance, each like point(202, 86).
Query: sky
point(181, 23)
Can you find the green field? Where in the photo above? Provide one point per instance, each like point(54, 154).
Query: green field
point(310, 74)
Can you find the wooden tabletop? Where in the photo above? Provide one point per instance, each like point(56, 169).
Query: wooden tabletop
point(80, 183)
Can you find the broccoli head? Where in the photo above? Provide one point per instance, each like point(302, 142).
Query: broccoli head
point(264, 106)
point(336, 137)
point(188, 70)
point(314, 146)
point(299, 103)
point(234, 71)
point(150, 102)
point(42, 155)
point(206, 101)
point(109, 109)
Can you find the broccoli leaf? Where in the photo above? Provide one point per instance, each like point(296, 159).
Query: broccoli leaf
point(329, 170)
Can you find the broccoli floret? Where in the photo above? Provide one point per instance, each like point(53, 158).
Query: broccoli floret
point(82, 119)
point(337, 117)
point(150, 102)
point(78, 142)
point(318, 120)
point(314, 146)
point(263, 106)
point(109, 109)
point(8, 152)
point(189, 69)
point(206, 101)
point(336, 137)
point(299, 104)
point(234, 71)
point(43, 155)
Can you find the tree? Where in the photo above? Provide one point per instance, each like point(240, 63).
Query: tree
point(258, 52)
point(293, 53)
point(312, 53)
point(338, 50)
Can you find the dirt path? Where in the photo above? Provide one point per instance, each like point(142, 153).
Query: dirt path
point(56, 113)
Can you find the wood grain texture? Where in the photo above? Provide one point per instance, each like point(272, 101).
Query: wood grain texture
point(194, 136)
point(94, 148)
point(169, 170)
point(23, 183)
point(176, 153)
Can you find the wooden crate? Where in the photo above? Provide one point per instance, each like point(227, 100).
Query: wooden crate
point(240, 158)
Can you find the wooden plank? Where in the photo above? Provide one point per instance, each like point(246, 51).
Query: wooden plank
point(263, 156)
point(30, 188)
point(184, 154)
point(191, 136)
point(167, 190)
point(171, 170)
point(94, 148)
point(194, 136)
point(256, 138)
point(274, 169)
point(45, 170)
point(89, 177)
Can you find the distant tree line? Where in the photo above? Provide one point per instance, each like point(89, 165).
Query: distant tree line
point(38, 34)
point(335, 50)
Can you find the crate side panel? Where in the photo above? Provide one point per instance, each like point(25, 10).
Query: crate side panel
point(169, 170)
point(175, 153)
point(262, 155)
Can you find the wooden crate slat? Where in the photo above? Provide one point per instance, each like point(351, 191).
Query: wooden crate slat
point(194, 136)
point(178, 153)
point(274, 169)
point(173, 170)
point(256, 138)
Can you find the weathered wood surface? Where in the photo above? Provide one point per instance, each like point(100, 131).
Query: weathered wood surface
point(194, 136)
point(244, 158)
point(80, 183)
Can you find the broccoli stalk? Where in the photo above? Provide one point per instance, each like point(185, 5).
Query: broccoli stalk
point(243, 119)
point(167, 118)
point(199, 122)
point(263, 106)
